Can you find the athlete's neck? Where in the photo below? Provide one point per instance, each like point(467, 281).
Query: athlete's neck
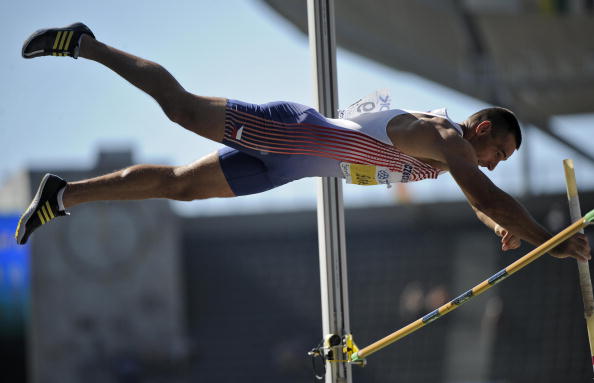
point(465, 129)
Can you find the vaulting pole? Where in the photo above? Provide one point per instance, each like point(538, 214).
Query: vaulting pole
point(332, 244)
point(476, 290)
point(583, 267)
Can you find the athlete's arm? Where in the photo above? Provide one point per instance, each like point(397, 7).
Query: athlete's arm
point(508, 240)
point(485, 219)
point(436, 139)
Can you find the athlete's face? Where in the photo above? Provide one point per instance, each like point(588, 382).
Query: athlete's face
point(491, 148)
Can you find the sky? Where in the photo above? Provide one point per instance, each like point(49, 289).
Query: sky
point(60, 112)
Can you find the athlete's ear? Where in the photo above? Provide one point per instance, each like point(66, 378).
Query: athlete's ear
point(483, 128)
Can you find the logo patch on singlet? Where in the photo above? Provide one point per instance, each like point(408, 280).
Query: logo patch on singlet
point(374, 175)
point(406, 173)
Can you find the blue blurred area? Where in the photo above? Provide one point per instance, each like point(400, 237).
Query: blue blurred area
point(14, 300)
point(14, 279)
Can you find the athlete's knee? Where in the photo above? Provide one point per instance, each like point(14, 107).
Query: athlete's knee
point(195, 182)
point(184, 192)
point(181, 191)
point(174, 109)
point(154, 178)
point(180, 107)
point(184, 195)
point(179, 187)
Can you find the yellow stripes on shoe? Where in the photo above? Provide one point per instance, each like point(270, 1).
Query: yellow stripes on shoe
point(40, 217)
point(58, 36)
point(62, 42)
point(70, 33)
point(49, 210)
point(45, 214)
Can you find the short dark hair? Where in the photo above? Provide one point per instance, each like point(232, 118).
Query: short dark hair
point(501, 118)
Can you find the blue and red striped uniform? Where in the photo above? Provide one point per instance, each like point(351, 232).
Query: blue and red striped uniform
point(272, 144)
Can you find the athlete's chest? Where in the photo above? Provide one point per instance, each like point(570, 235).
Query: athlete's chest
point(434, 164)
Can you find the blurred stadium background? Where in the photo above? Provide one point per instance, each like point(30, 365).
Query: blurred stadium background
point(136, 292)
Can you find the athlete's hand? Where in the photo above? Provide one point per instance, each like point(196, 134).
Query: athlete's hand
point(575, 247)
point(508, 240)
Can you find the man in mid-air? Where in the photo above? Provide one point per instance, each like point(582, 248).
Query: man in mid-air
point(268, 145)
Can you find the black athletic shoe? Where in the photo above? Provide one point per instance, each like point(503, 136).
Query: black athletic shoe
point(43, 209)
point(55, 41)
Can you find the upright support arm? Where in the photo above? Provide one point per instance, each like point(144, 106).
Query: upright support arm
point(333, 269)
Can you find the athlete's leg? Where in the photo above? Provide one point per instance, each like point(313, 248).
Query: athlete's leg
point(202, 115)
point(198, 180)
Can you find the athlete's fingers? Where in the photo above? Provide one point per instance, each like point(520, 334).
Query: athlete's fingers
point(581, 238)
point(582, 257)
point(581, 246)
point(509, 241)
point(514, 242)
point(504, 242)
point(576, 247)
point(499, 231)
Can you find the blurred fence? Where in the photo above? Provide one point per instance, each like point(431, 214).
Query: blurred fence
point(253, 297)
point(127, 292)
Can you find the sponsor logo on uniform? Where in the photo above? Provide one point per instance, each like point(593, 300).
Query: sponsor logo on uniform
point(384, 102)
point(383, 175)
point(406, 173)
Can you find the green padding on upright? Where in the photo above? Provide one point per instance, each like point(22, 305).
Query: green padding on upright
point(590, 216)
point(355, 357)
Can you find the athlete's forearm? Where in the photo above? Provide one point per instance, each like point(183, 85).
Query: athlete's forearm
point(510, 214)
point(486, 220)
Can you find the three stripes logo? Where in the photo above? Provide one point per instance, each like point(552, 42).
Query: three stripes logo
point(62, 43)
point(45, 213)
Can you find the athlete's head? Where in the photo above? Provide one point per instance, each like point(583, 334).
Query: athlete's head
point(495, 134)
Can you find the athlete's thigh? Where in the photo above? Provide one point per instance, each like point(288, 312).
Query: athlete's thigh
point(293, 141)
point(203, 178)
point(204, 116)
point(247, 174)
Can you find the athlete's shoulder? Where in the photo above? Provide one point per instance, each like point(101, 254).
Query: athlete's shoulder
point(432, 125)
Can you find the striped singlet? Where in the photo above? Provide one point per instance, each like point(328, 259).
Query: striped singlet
point(271, 144)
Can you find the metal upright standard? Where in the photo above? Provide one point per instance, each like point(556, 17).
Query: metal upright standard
point(332, 244)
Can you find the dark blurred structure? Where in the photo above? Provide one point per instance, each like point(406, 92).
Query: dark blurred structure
point(254, 310)
point(129, 292)
point(533, 56)
point(105, 289)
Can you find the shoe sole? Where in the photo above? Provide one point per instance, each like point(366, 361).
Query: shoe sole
point(26, 43)
point(30, 210)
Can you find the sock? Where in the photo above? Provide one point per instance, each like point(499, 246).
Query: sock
point(60, 202)
point(76, 51)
